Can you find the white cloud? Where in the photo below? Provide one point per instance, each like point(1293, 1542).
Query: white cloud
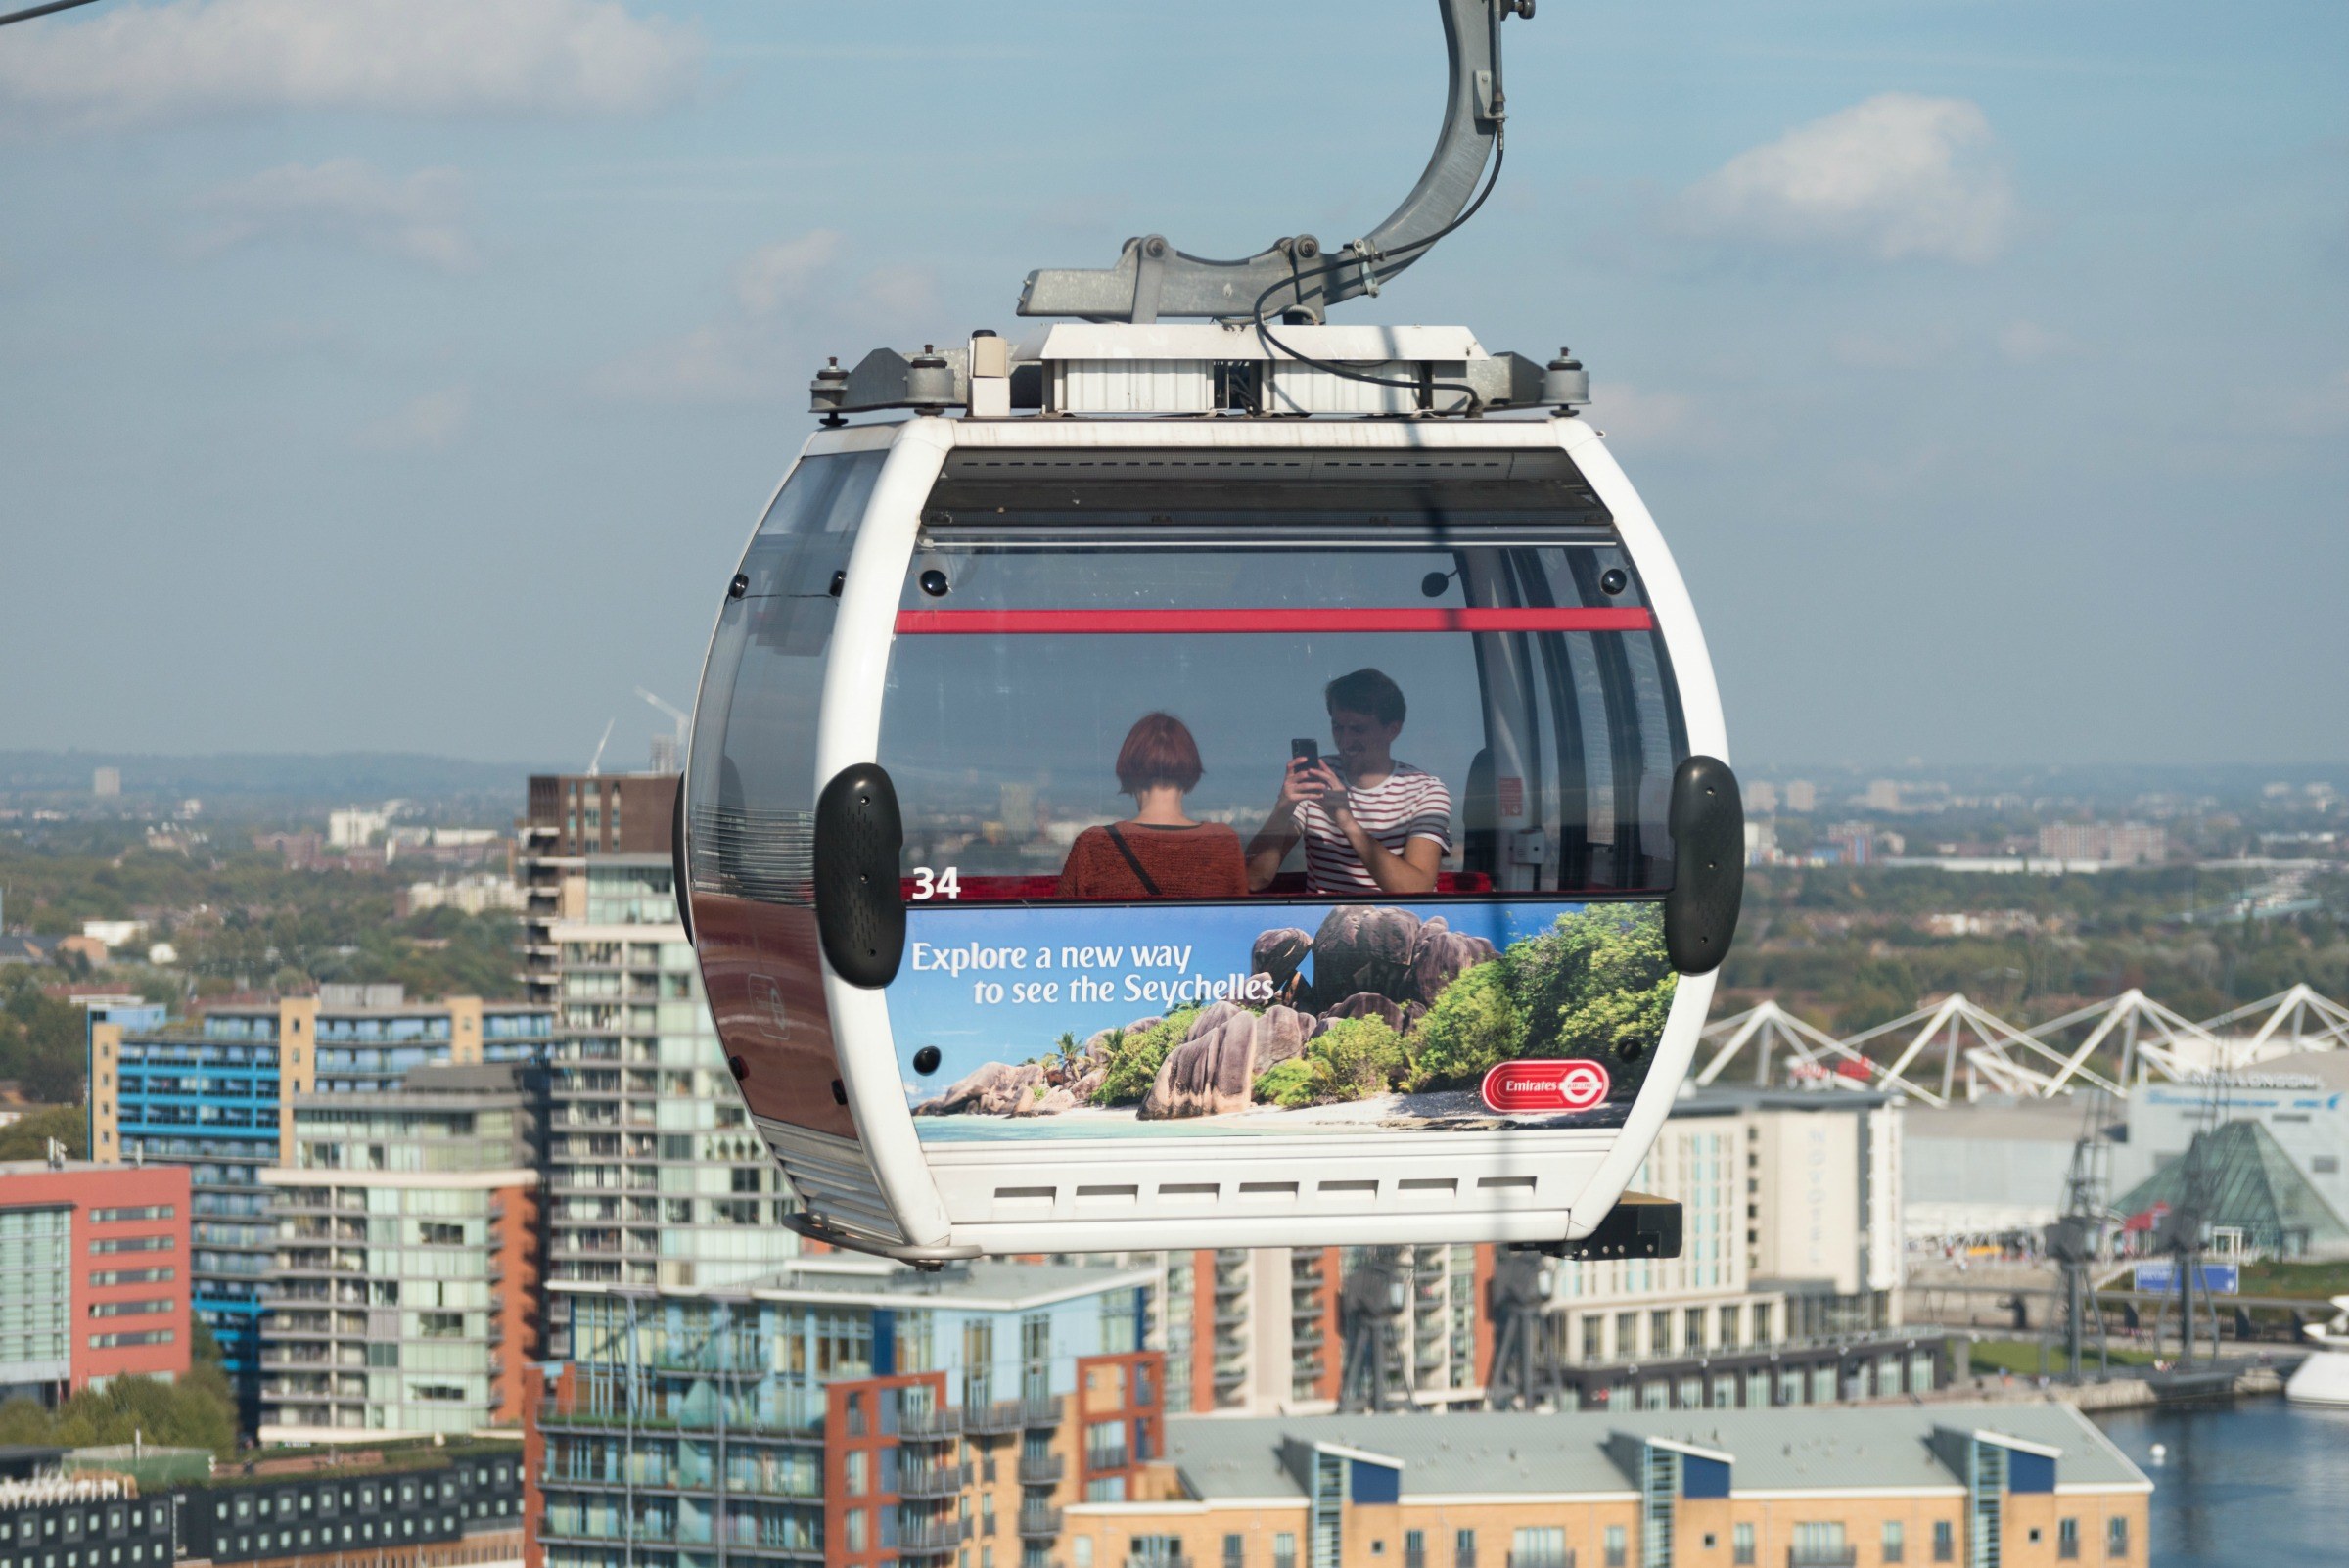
point(784, 294)
point(137, 63)
point(776, 273)
point(344, 202)
point(1635, 419)
point(2027, 342)
point(425, 424)
point(1897, 177)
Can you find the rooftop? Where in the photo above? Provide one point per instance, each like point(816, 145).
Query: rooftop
point(1487, 1453)
point(2022, 1121)
point(984, 1286)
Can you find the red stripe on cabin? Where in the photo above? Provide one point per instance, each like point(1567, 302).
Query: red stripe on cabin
point(1090, 623)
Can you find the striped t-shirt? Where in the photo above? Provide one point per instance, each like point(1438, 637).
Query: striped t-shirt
point(1405, 805)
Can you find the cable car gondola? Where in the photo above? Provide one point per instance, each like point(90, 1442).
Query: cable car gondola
point(1210, 784)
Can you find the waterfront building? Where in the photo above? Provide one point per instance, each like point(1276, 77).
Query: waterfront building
point(847, 1412)
point(2301, 1100)
point(215, 1093)
point(2017, 1485)
point(2251, 1192)
point(93, 1275)
point(1991, 1168)
point(655, 1177)
point(406, 1299)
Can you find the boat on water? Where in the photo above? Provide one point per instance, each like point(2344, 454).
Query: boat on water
point(2323, 1378)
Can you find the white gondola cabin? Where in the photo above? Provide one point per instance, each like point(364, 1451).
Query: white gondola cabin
point(1202, 830)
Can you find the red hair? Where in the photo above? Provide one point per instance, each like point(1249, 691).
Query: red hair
point(1158, 750)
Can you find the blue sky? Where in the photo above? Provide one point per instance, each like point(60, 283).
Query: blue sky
point(405, 374)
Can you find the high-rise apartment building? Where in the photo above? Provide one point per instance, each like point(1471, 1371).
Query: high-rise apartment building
point(571, 818)
point(406, 1299)
point(2112, 842)
point(655, 1177)
point(217, 1092)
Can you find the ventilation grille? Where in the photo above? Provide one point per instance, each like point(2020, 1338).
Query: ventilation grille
point(765, 856)
point(833, 1180)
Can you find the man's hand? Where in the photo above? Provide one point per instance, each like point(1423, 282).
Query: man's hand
point(1311, 779)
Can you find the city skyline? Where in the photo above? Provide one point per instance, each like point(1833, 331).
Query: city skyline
point(1935, 344)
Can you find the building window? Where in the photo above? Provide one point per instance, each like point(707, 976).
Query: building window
point(1617, 1551)
point(2067, 1539)
point(1538, 1546)
point(1464, 1549)
point(1741, 1544)
point(1081, 1552)
point(1594, 1337)
point(1692, 1329)
point(2116, 1537)
point(1414, 1548)
point(1945, 1542)
point(1817, 1545)
point(1895, 1540)
point(1658, 1333)
point(1235, 1550)
point(1284, 1550)
point(856, 1472)
point(854, 1532)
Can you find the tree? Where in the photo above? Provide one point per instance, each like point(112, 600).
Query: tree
point(27, 1137)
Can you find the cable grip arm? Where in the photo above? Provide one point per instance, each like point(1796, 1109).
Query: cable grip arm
point(1152, 279)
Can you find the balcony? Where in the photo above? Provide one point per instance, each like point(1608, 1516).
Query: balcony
point(1160, 1562)
point(991, 1417)
point(1042, 1409)
point(933, 1536)
point(1822, 1556)
point(932, 1480)
point(925, 1425)
point(1533, 1559)
point(1098, 1460)
point(1038, 1521)
point(1042, 1470)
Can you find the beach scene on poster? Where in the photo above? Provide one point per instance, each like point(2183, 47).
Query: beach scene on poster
point(1077, 1021)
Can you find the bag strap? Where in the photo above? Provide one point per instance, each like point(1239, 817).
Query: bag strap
point(1133, 860)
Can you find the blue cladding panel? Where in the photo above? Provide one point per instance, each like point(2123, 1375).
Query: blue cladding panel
point(2029, 1472)
point(1703, 1478)
point(885, 1342)
point(1375, 1483)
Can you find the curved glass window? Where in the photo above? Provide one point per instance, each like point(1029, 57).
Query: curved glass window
point(753, 740)
point(1539, 721)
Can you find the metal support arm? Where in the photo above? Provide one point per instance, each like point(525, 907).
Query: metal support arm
point(1152, 279)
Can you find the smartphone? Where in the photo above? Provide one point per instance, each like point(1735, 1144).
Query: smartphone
point(1305, 748)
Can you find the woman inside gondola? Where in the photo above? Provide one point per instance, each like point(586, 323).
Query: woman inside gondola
point(1159, 852)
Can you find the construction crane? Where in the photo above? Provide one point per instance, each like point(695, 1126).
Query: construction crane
point(668, 751)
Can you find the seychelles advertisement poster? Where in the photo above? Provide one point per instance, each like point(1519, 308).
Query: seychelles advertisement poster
point(1127, 1021)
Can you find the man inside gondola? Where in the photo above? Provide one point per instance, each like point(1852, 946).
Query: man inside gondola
point(1369, 823)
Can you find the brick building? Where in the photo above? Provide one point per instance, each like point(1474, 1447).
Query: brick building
point(93, 1274)
point(2019, 1484)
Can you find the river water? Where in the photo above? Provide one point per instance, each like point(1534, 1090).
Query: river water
point(2258, 1482)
